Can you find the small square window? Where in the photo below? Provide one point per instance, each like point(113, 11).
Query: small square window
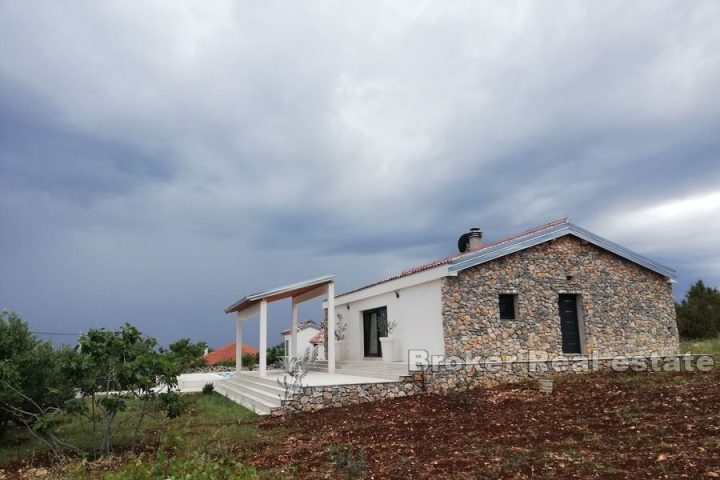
point(508, 306)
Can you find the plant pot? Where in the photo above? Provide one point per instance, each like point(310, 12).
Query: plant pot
point(339, 349)
point(387, 345)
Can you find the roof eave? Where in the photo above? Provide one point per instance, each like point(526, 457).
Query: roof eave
point(251, 299)
point(553, 233)
point(235, 306)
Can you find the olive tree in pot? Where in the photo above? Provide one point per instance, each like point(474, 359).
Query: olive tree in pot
point(388, 342)
point(340, 327)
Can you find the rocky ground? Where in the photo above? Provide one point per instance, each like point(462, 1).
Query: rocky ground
point(603, 425)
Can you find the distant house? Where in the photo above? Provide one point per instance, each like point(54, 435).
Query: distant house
point(226, 353)
point(306, 338)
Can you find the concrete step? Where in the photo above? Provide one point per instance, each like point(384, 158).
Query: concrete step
point(266, 385)
point(261, 392)
point(374, 375)
point(363, 373)
point(261, 406)
point(394, 369)
point(258, 394)
point(368, 364)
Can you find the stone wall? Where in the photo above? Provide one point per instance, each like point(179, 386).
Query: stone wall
point(444, 379)
point(310, 399)
point(624, 308)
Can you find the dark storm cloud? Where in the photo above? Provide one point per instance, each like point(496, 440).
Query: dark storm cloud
point(37, 152)
point(160, 160)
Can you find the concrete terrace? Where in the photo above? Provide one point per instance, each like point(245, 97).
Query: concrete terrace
point(262, 393)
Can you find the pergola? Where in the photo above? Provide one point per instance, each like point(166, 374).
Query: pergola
point(256, 305)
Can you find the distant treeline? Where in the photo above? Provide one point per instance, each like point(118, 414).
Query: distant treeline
point(698, 314)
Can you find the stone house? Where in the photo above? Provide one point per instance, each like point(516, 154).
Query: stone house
point(553, 292)
point(556, 290)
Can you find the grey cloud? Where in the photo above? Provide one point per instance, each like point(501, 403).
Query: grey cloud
point(152, 152)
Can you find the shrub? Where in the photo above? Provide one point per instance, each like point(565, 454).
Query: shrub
point(185, 355)
point(30, 380)
point(194, 467)
point(108, 367)
point(170, 464)
point(173, 404)
point(208, 389)
point(348, 459)
point(249, 360)
point(275, 353)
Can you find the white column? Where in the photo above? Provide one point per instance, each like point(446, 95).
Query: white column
point(331, 326)
point(293, 330)
point(263, 338)
point(238, 344)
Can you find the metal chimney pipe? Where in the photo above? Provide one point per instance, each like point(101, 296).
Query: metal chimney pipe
point(474, 239)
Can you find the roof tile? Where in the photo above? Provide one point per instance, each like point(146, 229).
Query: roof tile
point(448, 259)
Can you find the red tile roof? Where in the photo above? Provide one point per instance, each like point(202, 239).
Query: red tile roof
point(446, 260)
point(226, 353)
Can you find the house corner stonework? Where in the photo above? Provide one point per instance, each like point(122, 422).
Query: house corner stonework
point(625, 309)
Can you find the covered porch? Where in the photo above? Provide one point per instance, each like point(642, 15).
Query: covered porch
point(256, 305)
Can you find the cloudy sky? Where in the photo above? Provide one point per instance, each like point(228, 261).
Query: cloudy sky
point(161, 159)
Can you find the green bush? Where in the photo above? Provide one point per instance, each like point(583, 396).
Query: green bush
point(30, 380)
point(195, 467)
point(347, 459)
point(170, 464)
point(208, 389)
point(185, 355)
point(275, 353)
point(173, 404)
point(249, 360)
point(108, 368)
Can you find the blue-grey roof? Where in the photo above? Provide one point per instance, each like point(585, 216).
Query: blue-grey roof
point(566, 228)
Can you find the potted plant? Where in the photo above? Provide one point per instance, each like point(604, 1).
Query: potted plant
point(339, 336)
point(388, 342)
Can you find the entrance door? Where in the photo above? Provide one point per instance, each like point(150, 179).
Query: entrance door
point(569, 323)
point(374, 322)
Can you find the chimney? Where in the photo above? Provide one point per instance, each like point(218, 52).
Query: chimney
point(474, 239)
point(470, 241)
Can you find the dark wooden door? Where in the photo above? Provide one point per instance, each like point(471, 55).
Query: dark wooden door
point(373, 322)
point(569, 323)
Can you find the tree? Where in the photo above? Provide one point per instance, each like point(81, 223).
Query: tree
point(275, 353)
point(108, 368)
point(698, 315)
point(249, 360)
point(30, 380)
point(186, 355)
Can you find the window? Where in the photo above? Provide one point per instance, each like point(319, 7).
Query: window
point(508, 306)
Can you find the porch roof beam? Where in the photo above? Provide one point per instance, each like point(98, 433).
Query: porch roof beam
point(293, 290)
point(309, 295)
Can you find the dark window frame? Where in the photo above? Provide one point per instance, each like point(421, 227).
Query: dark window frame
point(508, 306)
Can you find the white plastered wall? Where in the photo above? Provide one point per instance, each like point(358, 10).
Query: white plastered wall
point(417, 311)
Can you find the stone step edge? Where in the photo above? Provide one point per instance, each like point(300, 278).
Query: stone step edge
point(246, 401)
point(272, 397)
point(264, 402)
point(264, 383)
